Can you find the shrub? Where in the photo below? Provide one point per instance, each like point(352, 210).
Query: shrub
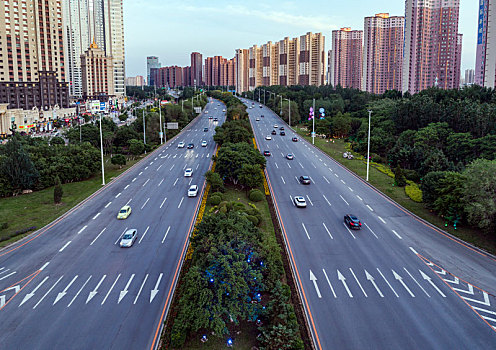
point(411, 175)
point(4, 226)
point(215, 200)
point(119, 160)
point(253, 219)
point(220, 194)
point(399, 178)
point(57, 191)
point(414, 192)
point(256, 195)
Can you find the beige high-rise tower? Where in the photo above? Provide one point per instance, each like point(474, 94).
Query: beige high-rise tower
point(97, 73)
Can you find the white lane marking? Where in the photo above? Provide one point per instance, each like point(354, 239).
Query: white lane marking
point(381, 219)
point(140, 174)
point(154, 291)
point(329, 233)
point(301, 165)
point(146, 168)
point(145, 203)
point(305, 230)
point(397, 235)
point(208, 155)
point(276, 165)
point(344, 199)
point(350, 188)
point(166, 233)
point(427, 278)
point(400, 279)
point(108, 204)
point(44, 266)
point(371, 230)
point(44, 296)
point(359, 198)
point(118, 195)
point(181, 202)
point(161, 182)
point(197, 166)
point(81, 230)
point(112, 287)
point(356, 279)
point(126, 187)
point(289, 165)
point(351, 233)
point(30, 295)
point(388, 283)
point(141, 288)
point(64, 292)
point(414, 251)
point(10, 274)
point(129, 201)
point(79, 291)
point(175, 182)
point(343, 280)
point(161, 205)
point(314, 280)
point(292, 201)
point(172, 167)
point(309, 200)
point(368, 206)
point(327, 200)
point(329, 282)
point(151, 163)
point(343, 182)
point(284, 182)
point(330, 169)
point(190, 180)
point(277, 145)
point(159, 167)
point(336, 175)
point(123, 292)
point(418, 284)
point(325, 164)
point(320, 159)
point(94, 292)
point(145, 183)
point(325, 178)
point(144, 234)
point(65, 246)
point(134, 180)
point(97, 215)
point(98, 236)
point(313, 165)
point(372, 280)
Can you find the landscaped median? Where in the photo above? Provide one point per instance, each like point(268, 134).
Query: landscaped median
point(233, 291)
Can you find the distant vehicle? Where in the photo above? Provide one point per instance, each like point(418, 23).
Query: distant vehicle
point(216, 119)
point(204, 144)
point(206, 112)
point(188, 172)
point(253, 103)
point(205, 129)
point(180, 145)
point(268, 137)
point(124, 212)
point(294, 139)
point(300, 202)
point(128, 238)
point(266, 153)
point(281, 128)
point(190, 146)
point(262, 116)
point(260, 106)
point(210, 117)
point(289, 156)
point(276, 126)
point(224, 110)
point(282, 133)
point(352, 221)
point(193, 191)
point(273, 132)
point(305, 180)
point(258, 119)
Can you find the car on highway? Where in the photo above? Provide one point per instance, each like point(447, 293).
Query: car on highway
point(281, 128)
point(206, 112)
point(193, 191)
point(190, 146)
point(204, 144)
point(282, 133)
point(124, 212)
point(260, 106)
point(188, 172)
point(262, 116)
point(268, 137)
point(205, 129)
point(180, 144)
point(290, 156)
point(352, 222)
point(273, 132)
point(275, 126)
point(224, 110)
point(216, 119)
point(210, 117)
point(258, 119)
point(128, 238)
point(294, 139)
point(300, 202)
point(305, 180)
point(266, 153)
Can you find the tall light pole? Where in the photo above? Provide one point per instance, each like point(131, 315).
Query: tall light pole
point(101, 150)
point(160, 120)
point(313, 123)
point(368, 148)
point(281, 105)
point(144, 130)
point(289, 107)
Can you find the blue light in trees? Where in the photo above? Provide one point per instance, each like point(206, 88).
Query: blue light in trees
point(229, 342)
point(211, 280)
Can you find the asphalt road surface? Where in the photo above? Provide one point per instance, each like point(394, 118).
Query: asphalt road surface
point(398, 283)
point(70, 285)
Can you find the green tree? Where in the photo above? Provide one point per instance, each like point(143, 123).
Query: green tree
point(399, 177)
point(57, 141)
point(250, 176)
point(215, 181)
point(450, 191)
point(119, 160)
point(430, 185)
point(136, 147)
point(57, 191)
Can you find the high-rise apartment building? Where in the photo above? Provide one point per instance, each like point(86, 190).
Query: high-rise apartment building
point(114, 41)
point(138, 80)
point(196, 69)
point(469, 77)
point(151, 63)
point(97, 73)
point(346, 59)
point(329, 59)
point(382, 53)
point(289, 54)
point(256, 67)
point(312, 59)
point(242, 70)
point(485, 62)
point(32, 61)
point(432, 51)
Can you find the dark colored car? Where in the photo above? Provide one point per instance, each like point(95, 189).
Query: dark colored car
point(352, 221)
point(262, 115)
point(282, 133)
point(305, 180)
point(205, 129)
point(294, 139)
point(273, 132)
point(216, 119)
point(190, 145)
point(281, 128)
point(267, 153)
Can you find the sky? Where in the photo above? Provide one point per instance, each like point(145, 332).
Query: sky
point(172, 29)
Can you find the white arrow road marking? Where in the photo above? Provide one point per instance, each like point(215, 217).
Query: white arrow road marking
point(371, 230)
point(302, 224)
point(344, 200)
point(166, 233)
point(161, 205)
point(98, 236)
point(388, 283)
point(418, 284)
point(400, 279)
point(65, 246)
point(329, 233)
point(327, 200)
point(81, 230)
point(110, 290)
point(343, 280)
point(141, 288)
point(10, 274)
point(126, 289)
point(427, 278)
point(79, 291)
point(144, 234)
point(314, 280)
point(485, 302)
point(351, 233)
point(95, 291)
point(30, 295)
point(145, 203)
point(356, 279)
point(3, 297)
point(64, 292)
point(372, 280)
point(154, 291)
point(329, 282)
point(44, 296)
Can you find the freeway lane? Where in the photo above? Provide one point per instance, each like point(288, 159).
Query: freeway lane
point(387, 285)
point(74, 287)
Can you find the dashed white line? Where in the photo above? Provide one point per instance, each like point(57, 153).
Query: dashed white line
point(172, 167)
point(181, 202)
point(118, 195)
point(305, 230)
point(134, 180)
point(65, 246)
point(81, 230)
point(276, 165)
point(129, 201)
point(145, 183)
point(336, 175)
point(414, 251)
point(161, 205)
point(301, 165)
point(351, 233)
point(397, 235)
point(371, 230)
point(144, 234)
point(126, 187)
point(98, 236)
point(327, 200)
point(343, 182)
point(284, 182)
point(325, 178)
point(370, 208)
point(289, 165)
point(108, 204)
point(145, 203)
point(97, 215)
point(175, 182)
point(382, 220)
point(359, 197)
point(350, 188)
point(140, 173)
point(166, 233)
point(309, 200)
point(328, 232)
point(146, 168)
point(159, 167)
point(161, 182)
point(344, 199)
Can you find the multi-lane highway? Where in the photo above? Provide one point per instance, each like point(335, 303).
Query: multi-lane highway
point(70, 285)
point(397, 283)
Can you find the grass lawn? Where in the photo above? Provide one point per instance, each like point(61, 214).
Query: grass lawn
point(37, 209)
point(385, 183)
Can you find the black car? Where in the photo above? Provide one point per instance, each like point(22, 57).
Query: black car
point(216, 119)
point(273, 132)
point(282, 133)
point(352, 221)
point(294, 139)
point(205, 129)
point(305, 180)
point(267, 153)
point(190, 145)
point(262, 115)
point(281, 128)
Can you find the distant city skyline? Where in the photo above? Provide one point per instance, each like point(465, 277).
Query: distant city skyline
point(176, 28)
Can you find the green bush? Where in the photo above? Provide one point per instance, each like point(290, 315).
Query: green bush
point(220, 194)
point(414, 192)
point(256, 195)
point(57, 191)
point(215, 200)
point(253, 219)
point(399, 178)
point(411, 175)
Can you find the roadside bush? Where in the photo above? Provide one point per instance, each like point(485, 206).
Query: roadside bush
point(256, 195)
point(57, 191)
point(399, 178)
point(220, 194)
point(411, 175)
point(119, 160)
point(253, 219)
point(414, 192)
point(215, 200)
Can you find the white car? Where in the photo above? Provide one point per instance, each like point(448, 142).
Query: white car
point(268, 137)
point(193, 191)
point(188, 172)
point(204, 144)
point(223, 110)
point(300, 202)
point(258, 119)
point(276, 126)
point(180, 144)
point(128, 238)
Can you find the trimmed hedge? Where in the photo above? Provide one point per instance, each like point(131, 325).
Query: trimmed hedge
point(256, 195)
point(414, 192)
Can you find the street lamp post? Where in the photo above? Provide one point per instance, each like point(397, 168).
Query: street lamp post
point(368, 148)
point(101, 150)
point(144, 130)
point(160, 121)
point(313, 123)
point(289, 107)
point(281, 106)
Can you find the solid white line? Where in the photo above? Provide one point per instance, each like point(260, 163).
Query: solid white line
point(165, 236)
point(305, 230)
point(81, 230)
point(329, 282)
point(98, 236)
point(161, 182)
point(371, 230)
point(159, 167)
point(65, 246)
point(325, 178)
point(175, 182)
point(356, 279)
point(381, 219)
point(77, 294)
point(414, 251)
point(309, 200)
point(284, 182)
point(43, 297)
point(145, 203)
point(351, 233)
point(161, 205)
point(359, 197)
point(10, 274)
point(327, 230)
point(145, 183)
point(126, 187)
point(144, 234)
point(113, 285)
point(418, 284)
point(44, 266)
point(179, 206)
point(350, 188)
point(344, 199)
point(97, 215)
point(327, 200)
point(118, 195)
point(141, 288)
point(388, 283)
point(108, 204)
point(368, 206)
point(397, 235)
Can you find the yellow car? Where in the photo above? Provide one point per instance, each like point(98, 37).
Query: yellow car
point(124, 212)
